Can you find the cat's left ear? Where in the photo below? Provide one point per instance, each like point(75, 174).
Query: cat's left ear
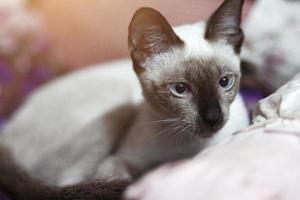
point(225, 23)
point(149, 34)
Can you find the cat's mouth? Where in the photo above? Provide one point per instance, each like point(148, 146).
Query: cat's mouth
point(206, 131)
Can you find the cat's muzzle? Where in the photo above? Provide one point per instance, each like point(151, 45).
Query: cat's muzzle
point(210, 121)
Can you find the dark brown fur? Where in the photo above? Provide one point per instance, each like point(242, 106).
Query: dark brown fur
point(225, 23)
point(146, 22)
point(18, 185)
point(203, 77)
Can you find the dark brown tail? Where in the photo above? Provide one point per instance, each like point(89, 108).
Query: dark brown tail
point(18, 185)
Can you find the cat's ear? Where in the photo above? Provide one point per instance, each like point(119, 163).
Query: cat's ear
point(149, 34)
point(224, 24)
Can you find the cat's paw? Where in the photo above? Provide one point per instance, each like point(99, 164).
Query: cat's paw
point(113, 168)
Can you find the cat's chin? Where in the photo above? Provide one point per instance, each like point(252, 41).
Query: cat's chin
point(207, 132)
point(204, 134)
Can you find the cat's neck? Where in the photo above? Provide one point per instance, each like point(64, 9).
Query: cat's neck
point(156, 138)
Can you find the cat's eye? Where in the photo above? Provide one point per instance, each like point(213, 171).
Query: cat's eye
point(180, 89)
point(227, 82)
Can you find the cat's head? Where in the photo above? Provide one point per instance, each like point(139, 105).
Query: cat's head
point(193, 72)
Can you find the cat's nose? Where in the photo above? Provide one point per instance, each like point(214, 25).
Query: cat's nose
point(212, 116)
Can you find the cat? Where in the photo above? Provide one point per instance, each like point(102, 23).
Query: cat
point(96, 123)
point(19, 185)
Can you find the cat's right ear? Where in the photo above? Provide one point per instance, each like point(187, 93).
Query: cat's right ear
point(149, 34)
point(225, 24)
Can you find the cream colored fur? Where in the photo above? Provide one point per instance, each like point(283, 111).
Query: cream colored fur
point(65, 131)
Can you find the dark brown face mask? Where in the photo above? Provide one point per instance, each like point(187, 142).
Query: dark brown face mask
point(225, 24)
point(150, 34)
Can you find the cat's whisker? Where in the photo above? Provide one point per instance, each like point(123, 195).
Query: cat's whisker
point(171, 128)
point(190, 133)
point(178, 129)
point(173, 134)
point(162, 121)
point(184, 129)
point(182, 133)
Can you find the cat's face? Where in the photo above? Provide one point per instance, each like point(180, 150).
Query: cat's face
point(192, 74)
point(198, 91)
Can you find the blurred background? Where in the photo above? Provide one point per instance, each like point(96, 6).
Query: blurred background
point(43, 39)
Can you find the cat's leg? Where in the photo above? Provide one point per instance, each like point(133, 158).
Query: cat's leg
point(114, 168)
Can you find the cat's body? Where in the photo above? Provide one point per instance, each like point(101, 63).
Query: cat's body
point(68, 127)
point(97, 123)
point(74, 142)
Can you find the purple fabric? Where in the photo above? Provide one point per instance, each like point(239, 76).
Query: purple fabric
point(251, 96)
point(2, 121)
point(38, 76)
point(6, 74)
point(3, 197)
point(27, 59)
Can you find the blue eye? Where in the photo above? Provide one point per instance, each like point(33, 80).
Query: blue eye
point(180, 89)
point(227, 82)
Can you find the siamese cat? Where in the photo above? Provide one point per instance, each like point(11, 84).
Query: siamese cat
point(114, 123)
